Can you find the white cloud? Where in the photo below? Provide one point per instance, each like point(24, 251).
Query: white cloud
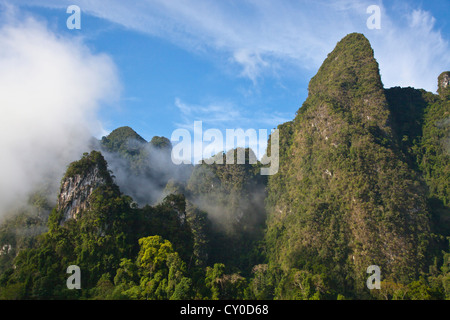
point(260, 34)
point(51, 88)
point(215, 113)
point(410, 50)
point(251, 63)
point(221, 116)
point(226, 115)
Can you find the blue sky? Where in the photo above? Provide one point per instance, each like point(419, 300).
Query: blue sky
point(232, 63)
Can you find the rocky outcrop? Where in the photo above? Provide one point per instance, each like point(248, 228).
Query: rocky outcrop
point(80, 181)
point(444, 84)
point(5, 249)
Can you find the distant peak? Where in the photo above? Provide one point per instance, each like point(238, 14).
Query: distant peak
point(161, 143)
point(123, 139)
point(125, 133)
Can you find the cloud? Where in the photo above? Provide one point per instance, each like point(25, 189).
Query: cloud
point(227, 115)
point(223, 116)
point(252, 63)
point(262, 35)
point(51, 88)
point(216, 113)
point(411, 51)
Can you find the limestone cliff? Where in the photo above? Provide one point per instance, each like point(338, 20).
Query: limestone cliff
point(81, 179)
point(444, 84)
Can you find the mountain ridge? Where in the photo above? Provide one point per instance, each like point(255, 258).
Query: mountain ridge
point(363, 180)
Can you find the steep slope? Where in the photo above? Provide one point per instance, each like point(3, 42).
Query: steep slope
point(233, 197)
point(422, 126)
point(345, 198)
point(407, 108)
point(434, 153)
point(80, 181)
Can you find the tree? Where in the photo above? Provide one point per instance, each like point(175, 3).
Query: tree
point(162, 272)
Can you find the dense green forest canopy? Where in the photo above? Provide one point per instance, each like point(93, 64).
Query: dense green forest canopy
point(363, 180)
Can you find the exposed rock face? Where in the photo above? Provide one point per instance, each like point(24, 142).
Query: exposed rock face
point(82, 178)
point(444, 84)
point(5, 249)
point(75, 192)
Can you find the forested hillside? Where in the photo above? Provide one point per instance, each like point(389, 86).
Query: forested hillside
point(349, 193)
point(363, 180)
